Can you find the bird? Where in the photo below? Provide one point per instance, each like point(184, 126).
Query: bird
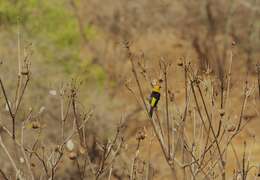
point(154, 97)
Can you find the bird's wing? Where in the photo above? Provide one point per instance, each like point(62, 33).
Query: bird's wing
point(153, 101)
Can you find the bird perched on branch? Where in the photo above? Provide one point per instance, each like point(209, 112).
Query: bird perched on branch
point(155, 96)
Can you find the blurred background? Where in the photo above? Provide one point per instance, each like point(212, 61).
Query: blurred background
point(83, 40)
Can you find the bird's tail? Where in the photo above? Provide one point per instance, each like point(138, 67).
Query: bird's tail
point(151, 112)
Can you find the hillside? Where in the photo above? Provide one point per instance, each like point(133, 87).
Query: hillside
point(76, 77)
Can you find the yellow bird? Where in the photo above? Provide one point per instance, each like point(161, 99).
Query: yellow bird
point(154, 98)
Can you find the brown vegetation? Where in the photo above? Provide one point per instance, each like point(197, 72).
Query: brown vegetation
point(59, 125)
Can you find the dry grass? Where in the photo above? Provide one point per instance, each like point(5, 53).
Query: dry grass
point(206, 124)
point(198, 136)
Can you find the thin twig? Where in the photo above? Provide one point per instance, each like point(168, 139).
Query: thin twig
point(3, 175)
point(9, 108)
point(18, 173)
